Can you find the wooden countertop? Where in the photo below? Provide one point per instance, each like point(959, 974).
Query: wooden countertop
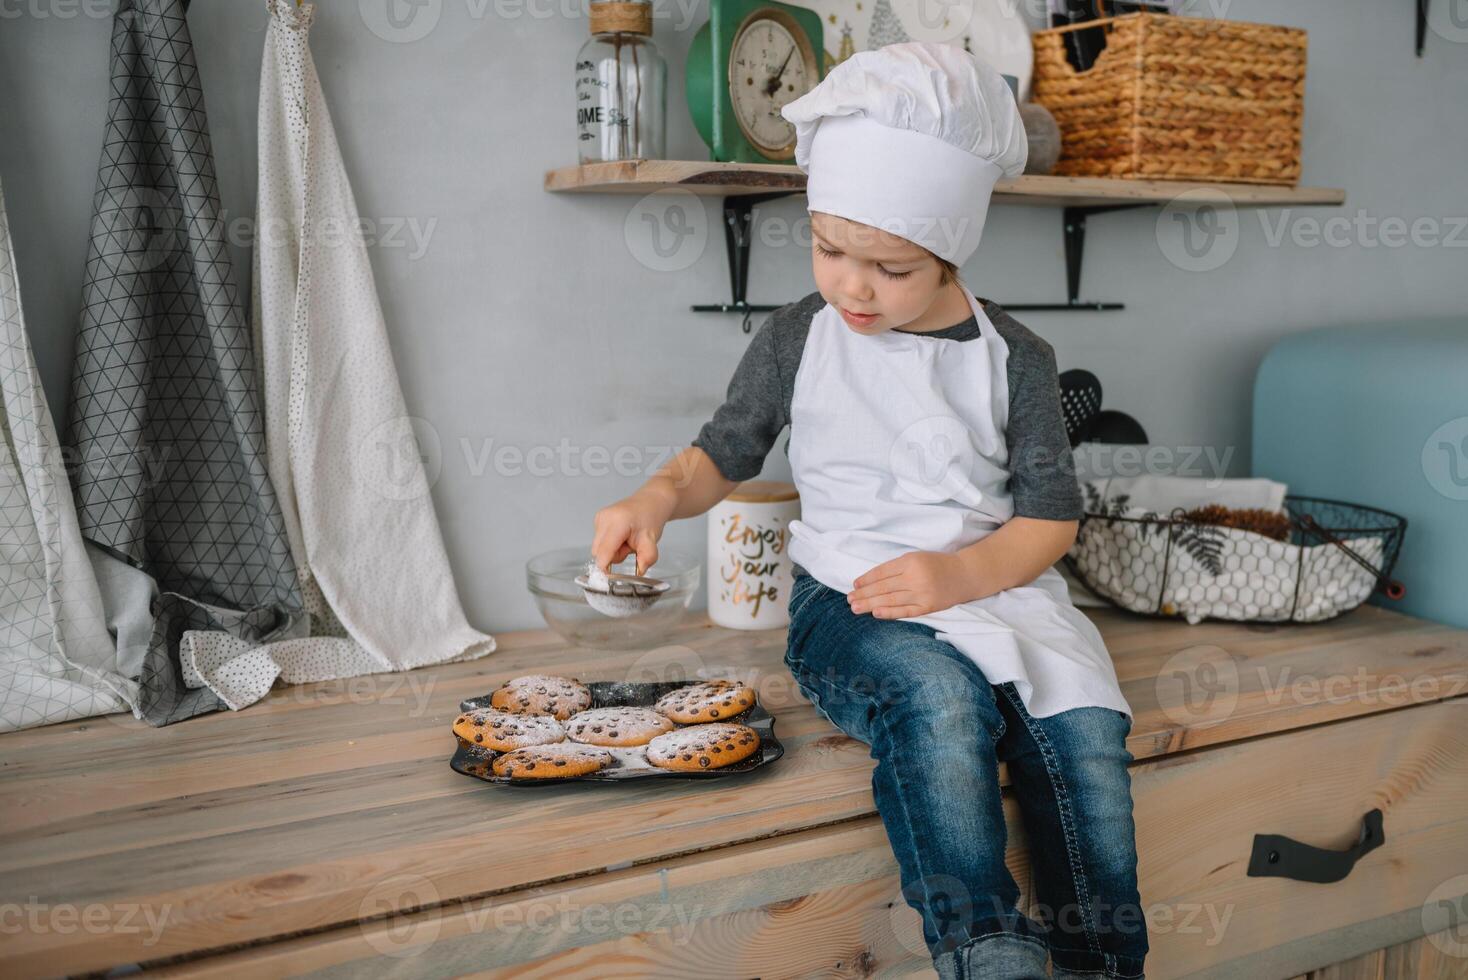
point(121, 843)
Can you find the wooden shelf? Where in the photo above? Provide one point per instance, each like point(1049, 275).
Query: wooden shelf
point(646, 176)
point(734, 179)
point(743, 185)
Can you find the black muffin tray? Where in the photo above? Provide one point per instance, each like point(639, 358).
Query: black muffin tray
point(475, 760)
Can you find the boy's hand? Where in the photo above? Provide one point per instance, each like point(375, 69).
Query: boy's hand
point(633, 524)
point(913, 584)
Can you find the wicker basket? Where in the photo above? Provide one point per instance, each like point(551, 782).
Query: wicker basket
point(1178, 98)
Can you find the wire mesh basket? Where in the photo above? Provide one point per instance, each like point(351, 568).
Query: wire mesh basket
point(1333, 556)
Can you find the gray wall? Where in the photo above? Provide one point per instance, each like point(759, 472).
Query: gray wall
point(528, 319)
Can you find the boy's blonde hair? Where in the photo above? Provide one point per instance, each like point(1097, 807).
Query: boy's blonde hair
point(948, 273)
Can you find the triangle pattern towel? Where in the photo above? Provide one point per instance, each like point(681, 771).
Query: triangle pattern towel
point(170, 473)
point(342, 453)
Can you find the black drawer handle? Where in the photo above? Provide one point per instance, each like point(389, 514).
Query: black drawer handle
point(1280, 857)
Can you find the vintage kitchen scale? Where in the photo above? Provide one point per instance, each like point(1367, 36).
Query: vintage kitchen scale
point(751, 59)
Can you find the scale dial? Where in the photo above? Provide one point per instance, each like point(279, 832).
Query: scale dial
point(771, 63)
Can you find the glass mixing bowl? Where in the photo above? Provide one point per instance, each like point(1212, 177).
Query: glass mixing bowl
point(551, 578)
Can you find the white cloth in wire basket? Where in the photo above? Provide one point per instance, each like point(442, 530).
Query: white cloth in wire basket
point(1215, 572)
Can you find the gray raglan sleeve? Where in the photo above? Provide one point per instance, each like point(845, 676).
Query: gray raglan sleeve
point(745, 426)
point(1042, 469)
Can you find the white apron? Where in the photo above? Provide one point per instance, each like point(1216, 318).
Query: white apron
point(897, 444)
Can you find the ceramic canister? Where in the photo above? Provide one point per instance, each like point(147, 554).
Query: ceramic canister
point(749, 566)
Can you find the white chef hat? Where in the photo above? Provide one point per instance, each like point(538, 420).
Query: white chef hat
point(910, 138)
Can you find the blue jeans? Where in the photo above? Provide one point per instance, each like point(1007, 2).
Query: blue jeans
point(938, 730)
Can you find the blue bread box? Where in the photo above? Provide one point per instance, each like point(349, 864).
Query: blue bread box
point(1377, 414)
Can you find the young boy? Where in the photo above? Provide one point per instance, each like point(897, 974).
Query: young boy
point(937, 491)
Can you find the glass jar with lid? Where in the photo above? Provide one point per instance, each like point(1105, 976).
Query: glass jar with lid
point(621, 86)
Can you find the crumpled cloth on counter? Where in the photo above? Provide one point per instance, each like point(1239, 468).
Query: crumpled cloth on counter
point(341, 447)
point(1160, 493)
point(1212, 572)
point(57, 660)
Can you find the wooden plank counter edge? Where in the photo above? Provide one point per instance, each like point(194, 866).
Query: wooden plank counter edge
point(176, 786)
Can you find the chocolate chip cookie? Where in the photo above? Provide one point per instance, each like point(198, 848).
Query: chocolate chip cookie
point(623, 725)
point(706, 701)
point(552, 761)
point(700, 747)
point(542, 694)
point(502, 731)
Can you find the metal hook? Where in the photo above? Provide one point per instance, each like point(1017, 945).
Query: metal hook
point(747, 315)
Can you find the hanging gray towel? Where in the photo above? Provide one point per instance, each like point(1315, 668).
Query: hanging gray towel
point(171, 474)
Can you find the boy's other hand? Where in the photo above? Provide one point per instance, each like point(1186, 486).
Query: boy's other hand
point(913, 584)
point(631, 525)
